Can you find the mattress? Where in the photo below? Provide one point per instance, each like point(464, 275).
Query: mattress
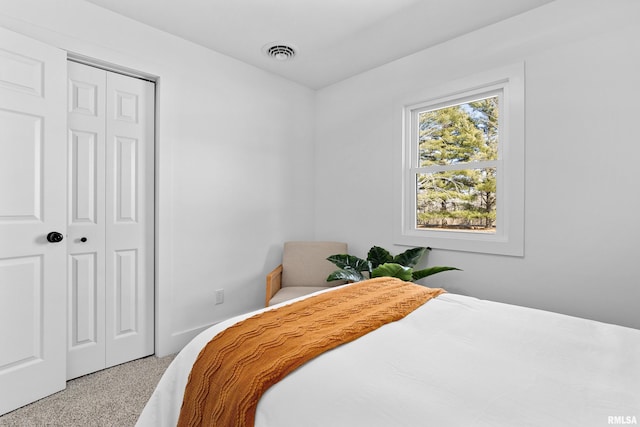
point(455, 361)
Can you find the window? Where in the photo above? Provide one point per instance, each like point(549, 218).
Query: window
point(461, 184)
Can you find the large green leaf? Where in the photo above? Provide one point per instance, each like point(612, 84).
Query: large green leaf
point(410, 257)
point(344, 261)
point(392, 270)
point(346, 274)
point(378, 256)
point(419, 274)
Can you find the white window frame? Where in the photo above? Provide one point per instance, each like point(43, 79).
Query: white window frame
point(508, 84)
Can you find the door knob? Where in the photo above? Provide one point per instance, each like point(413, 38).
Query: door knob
point(83, 239)
point(54, 237)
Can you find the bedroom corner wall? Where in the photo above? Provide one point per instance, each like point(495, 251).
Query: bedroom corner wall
point(234, 160)
point(581, 197)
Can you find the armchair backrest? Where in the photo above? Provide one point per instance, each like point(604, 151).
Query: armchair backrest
point(305, 263)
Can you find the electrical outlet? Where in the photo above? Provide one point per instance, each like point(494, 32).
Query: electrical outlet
point(219, 296)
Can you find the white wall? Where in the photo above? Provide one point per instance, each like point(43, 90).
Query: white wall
point(234, 160)
point(582, 199)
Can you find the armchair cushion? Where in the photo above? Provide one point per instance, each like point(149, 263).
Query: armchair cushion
point(291, 292)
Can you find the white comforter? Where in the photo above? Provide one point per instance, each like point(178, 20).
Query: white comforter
point(456, 361)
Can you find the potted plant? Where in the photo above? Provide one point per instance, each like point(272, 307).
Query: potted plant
point(380, 263)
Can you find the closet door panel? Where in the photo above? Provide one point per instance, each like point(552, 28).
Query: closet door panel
point(129, 218)
point(126, 295)
point(83, 295)
point(86, 219)
point(111, 176)
point(126, 177)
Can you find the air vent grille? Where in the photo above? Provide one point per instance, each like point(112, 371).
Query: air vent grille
point(281, 52)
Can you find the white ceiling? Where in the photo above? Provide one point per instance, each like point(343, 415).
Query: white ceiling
point(334, 39)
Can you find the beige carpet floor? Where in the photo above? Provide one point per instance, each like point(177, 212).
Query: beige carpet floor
point(112, 397)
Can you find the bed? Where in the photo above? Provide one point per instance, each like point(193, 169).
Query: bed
point(452, 361)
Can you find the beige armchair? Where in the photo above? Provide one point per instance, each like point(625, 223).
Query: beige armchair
point(304, 270)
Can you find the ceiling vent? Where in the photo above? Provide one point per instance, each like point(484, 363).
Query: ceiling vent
point(279, 51)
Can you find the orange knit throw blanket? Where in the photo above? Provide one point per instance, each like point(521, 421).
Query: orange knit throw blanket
point(240, 363)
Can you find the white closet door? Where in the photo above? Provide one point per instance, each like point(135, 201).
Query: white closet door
point(33, 168)
point(129, 219)
point(86, 220)
point(111, 245)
